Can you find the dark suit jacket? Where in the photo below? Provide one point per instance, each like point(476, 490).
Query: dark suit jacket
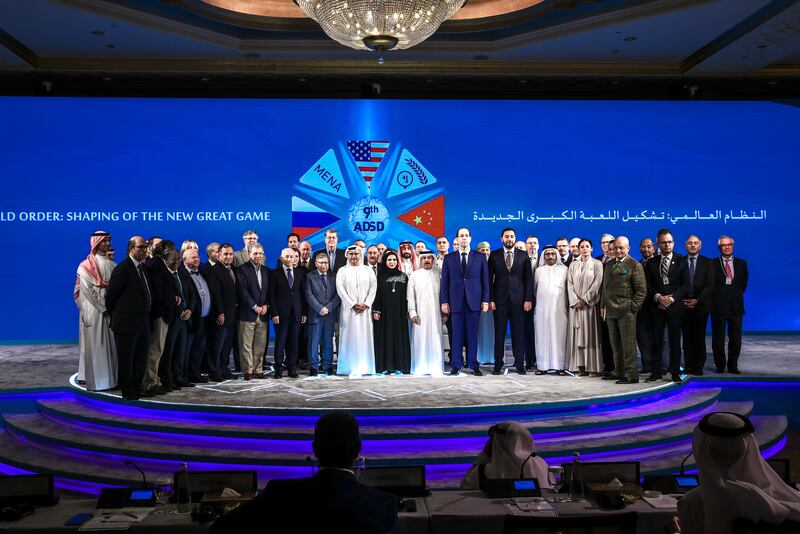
point(678, 278)
point(330, 501)
point(282, 299)
point(126, 301)
point(224, 297)
point(164, 293)
point(194, 301)
point(249, 293)
point(470, 288)
point(725, 299)
point(340, 261)
point(205, 268)
point(703, 282)
point(317, 297)
point(515, 285)
point(569, 259)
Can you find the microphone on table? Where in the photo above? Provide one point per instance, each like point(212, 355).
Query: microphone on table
point(133, 464)
point(683, 463)
point(522, 467)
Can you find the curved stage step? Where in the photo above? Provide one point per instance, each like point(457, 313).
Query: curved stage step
point(158, 419)
point(74, 464)
point(400, 450)
point(85, 438)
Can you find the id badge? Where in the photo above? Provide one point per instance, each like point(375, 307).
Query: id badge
point(728, 280)
point(665, 280)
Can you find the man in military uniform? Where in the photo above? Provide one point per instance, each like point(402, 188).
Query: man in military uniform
point(624, 291)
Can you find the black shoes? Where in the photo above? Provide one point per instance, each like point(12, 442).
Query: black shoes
point(720, 370)
point(734, 371)
point(198, 379)
point(611, 377)
point(293, 374)
point(477, 371)
point(497, 371)
point(655, 377)
point(453, 372)
point(521, 371)
point(627, 381)
point(277, 374)
point(676, 378)
point(312, 372)
point(215, 378)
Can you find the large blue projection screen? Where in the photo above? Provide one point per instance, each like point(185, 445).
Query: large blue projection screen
point(210, 169)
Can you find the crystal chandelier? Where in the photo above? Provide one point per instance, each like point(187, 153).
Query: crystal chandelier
point(380, 24)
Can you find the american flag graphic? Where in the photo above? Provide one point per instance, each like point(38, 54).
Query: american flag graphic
point(368, 156)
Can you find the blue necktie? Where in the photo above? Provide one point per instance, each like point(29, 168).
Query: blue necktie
point(324, 283)
point(691, 273)
point(290, 277)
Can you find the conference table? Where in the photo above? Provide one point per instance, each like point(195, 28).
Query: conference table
point(442, 512)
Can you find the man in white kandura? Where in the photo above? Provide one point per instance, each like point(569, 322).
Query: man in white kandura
point(356, 285)
point(550, 316)
point(98, 352)
point(423, 309)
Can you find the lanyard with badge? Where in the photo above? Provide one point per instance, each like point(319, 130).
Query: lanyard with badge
point(728, 277)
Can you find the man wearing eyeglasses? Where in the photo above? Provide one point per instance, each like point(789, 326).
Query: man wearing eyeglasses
point(727, 306)
point(240, 257)
point(667, 286)
point(336, 256)
point(128, 301)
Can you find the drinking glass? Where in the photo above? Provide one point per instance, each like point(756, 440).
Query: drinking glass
point(555, 474)
point(163, 489)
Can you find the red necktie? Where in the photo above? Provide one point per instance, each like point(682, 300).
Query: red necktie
point(728, 272)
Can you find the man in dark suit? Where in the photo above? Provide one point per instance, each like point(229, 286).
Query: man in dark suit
point(288, 310)
point(667, 286)
point(727, 306)
point(173, 362)
point(564, 254)
point(253, 287)
point(128, 302)
point(698, 306)
point(511, 297)
point(644, 319)
point(196, 286)
point(336, 256)
point(340, 502)
point(323, 309)
point(212, 253)
point(532, 247)
point(464, 293)
point(167, 305)
point(224, 312)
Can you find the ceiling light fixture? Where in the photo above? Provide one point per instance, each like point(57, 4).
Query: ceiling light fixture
point(380, 25)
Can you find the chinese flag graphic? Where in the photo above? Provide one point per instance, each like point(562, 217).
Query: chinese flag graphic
point(428, 217)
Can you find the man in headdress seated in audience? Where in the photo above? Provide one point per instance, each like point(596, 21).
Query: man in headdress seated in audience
point(333, 500)
point(735, 481)
point(508, 453)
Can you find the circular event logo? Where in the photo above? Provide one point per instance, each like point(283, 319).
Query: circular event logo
point(376, 191)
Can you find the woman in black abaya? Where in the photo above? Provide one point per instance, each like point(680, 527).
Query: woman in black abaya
point(390, 319)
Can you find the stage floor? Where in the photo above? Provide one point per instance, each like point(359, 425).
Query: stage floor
point(34, 366)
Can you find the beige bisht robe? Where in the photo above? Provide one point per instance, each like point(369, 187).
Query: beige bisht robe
point(584, 341)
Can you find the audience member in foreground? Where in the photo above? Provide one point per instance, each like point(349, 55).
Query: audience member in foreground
point(508, 452)
point(735, 481)
point(338, 501)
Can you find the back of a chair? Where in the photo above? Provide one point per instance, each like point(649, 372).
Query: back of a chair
point(745, 526)
point(624, 523)
point(605, 471)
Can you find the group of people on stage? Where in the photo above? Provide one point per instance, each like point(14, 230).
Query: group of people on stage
point(161, 319)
